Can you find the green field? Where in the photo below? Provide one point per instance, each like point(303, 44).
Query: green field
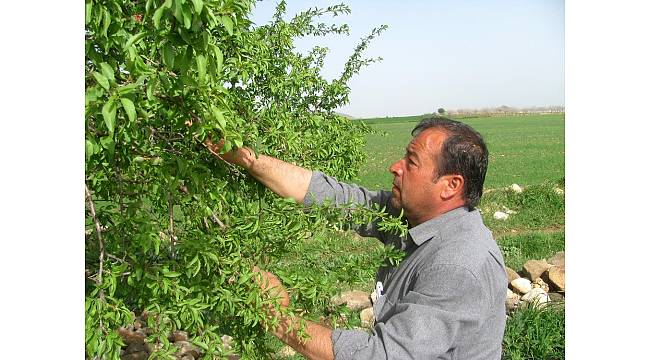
point(524, 150)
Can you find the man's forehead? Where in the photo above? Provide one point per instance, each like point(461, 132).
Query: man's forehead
point(427, 139)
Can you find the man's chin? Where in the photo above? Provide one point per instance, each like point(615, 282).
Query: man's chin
point(395, 202)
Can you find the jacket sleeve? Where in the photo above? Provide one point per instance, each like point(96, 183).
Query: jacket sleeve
point(323, 188)
point(443, 307)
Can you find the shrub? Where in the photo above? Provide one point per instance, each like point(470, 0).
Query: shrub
point(171, 230)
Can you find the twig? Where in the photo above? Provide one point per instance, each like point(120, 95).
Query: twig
point(98, 228)
point(114, 258)
point(216, 219)
point(171, 222)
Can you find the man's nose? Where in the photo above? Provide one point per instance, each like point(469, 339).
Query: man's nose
point(396, 169)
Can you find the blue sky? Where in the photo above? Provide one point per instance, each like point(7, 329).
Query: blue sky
point(451, 54)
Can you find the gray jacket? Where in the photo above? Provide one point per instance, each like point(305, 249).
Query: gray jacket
point(445, 300)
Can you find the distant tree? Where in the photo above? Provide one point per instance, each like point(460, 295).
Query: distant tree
point(441, 111)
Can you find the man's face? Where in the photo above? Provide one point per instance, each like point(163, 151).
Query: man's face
point(414, 189)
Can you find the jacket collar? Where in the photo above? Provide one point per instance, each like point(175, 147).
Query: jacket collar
point(430, 229)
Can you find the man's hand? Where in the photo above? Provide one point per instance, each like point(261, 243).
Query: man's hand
point(270, 284)
point(243, 157)
point(319, 344)
point(284, 179)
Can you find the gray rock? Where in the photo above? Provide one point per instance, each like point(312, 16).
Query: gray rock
point(287, 351)
point(134, 348)
point(186, 348)
point(553, 296)
point(226, 340)
point(556, 277)
point(354, 300)
point(536, 296)
point(367, 317)
point(179, 336)
point(521, 285)
point(140, 355)
point(533, 269)
point(539, 283)
point(516, 188)
point(512, 301)
point(131, 337)
point(557, 259)
point(500, 215)
point(511, 274)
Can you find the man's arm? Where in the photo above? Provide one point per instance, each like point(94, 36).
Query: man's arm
point(317, 347)
point(284, 179)
point(319, 344)
point(288, 180)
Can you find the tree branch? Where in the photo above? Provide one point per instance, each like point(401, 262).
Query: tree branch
point(172, 237)
point(216, 219)
point(98, 229)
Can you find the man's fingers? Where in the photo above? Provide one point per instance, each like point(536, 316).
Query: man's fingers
point(212, 146)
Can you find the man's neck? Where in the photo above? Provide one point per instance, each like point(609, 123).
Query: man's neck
point(414, 221)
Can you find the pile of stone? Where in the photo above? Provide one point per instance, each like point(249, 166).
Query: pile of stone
point(537, 283)
point(356, 300)
point(137, 348)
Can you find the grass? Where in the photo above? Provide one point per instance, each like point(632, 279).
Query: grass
point(538, 207)
point(524, 150)
point(535, 333)
point(517, 249)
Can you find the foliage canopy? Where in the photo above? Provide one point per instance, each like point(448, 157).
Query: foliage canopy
point(171, 230)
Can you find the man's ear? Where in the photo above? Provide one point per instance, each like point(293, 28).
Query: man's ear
point(453, 186)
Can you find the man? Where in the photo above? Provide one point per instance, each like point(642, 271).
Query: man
point(446, 299)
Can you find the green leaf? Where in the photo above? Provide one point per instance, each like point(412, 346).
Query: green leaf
point(200, 344)
point(148, 6)
point(157, 15)
point(133, 39)
point(108, 111)
point(187, 18)
point(107, 143)
point(201, 62)
point(107, 71)
point(178, 11)
point(168, 55)
point(102, 80)
point(89, 11)
point(129, 107)
point(227, 22)
point(106, 23)
point(151, 87)
point(127, 89)
point(89, 149)
point(198, 6)
point(219, 116)
point(172, 274)
point(227, 146)
point(219, 55)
